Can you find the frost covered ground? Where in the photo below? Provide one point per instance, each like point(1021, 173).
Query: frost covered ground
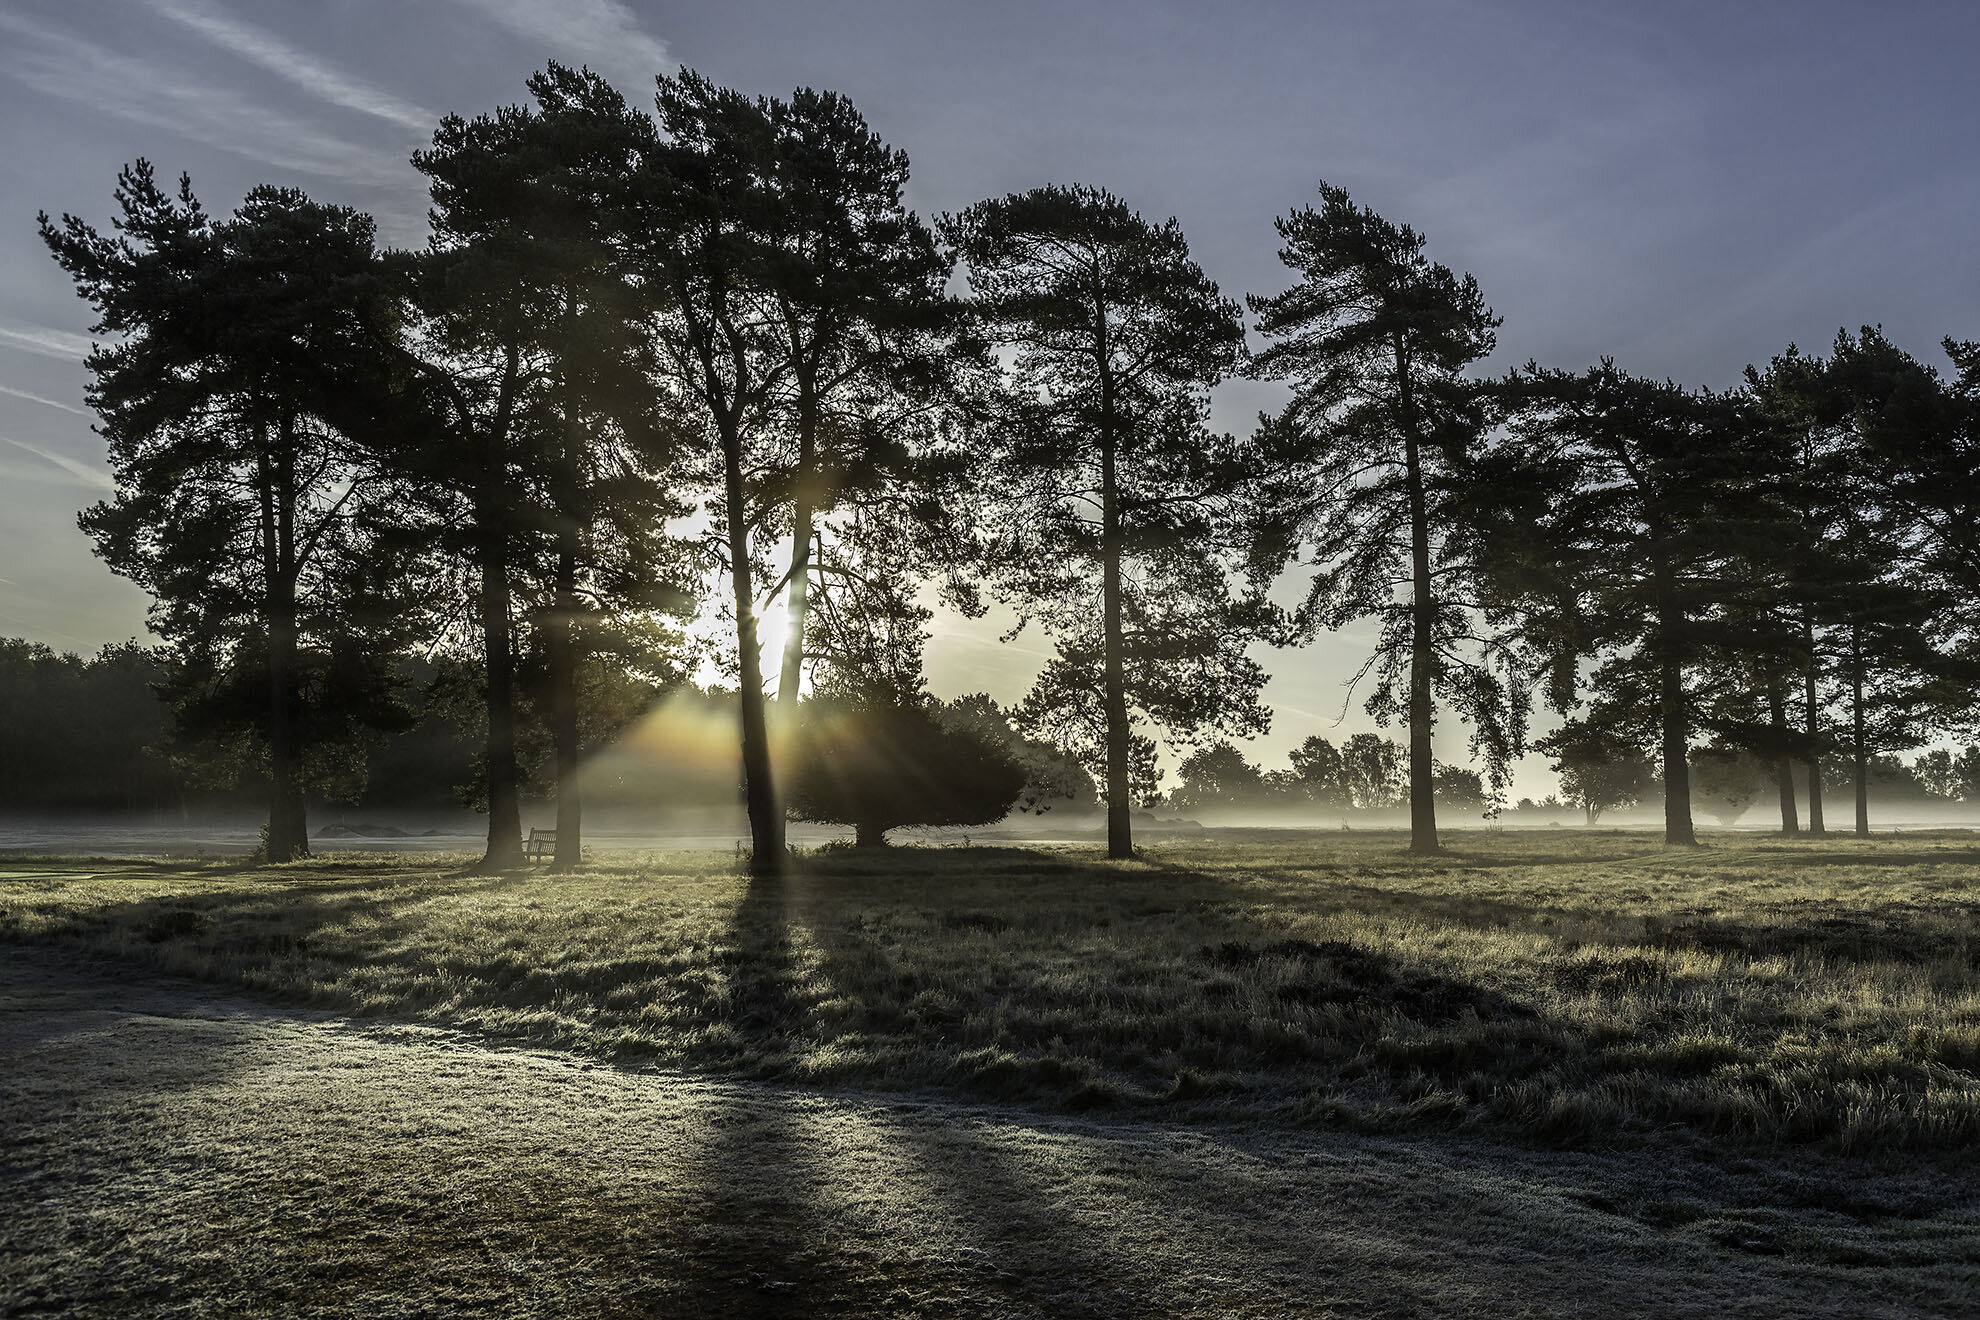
point(167, 1149)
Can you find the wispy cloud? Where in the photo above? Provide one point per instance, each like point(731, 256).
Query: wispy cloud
point(150, 93)
point(95, 478)
point(44, 400)
point(603, 34)
point(61, 345)
point(261, 47)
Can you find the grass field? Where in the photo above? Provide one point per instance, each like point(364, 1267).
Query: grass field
point(1568, 989)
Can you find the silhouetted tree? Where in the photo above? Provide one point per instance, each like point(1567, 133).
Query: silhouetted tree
point(882, 767)
point(472, 392)
point(1317, 767)
point(1053, 776)
point(1786, 616)
point(246, 514)
point(1953, 776)
point(1652, 491)
point(857, 292)
point(1895, 612)
point(1920, 449)
point(546, 191)
point(1460, 787)
point(701, 249)
point(1375, 339)
point(1728, 780)
point(1113, 516)
point(1374, 772)
point(1599, 770)
point(1217, 776)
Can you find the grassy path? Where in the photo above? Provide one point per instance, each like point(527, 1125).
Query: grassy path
point(170, 1150)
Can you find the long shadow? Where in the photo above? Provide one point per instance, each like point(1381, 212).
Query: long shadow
point(1368, 899)
point(75, 1032)
point(759, 1243)
point(1857, 935)
point(261, 941)
point(1864, 853)
point(1903, 934)
point(1009, 974)
point(1094, 987)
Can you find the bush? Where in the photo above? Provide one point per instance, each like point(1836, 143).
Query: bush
point(881, 767)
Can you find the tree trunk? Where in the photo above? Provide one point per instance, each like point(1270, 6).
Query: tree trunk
point(866, 834)
point(1423, 624)
point(803, 507)
point(559, 646)
point(505, 849)
point(1674, 715)
point(285, 545)
point(766, 821)
point(1783, 763)
point(1120, 820)
point(1813, 703)
point(791, 672)
point(1859, 751)
point(278, 608)
point(560, 652)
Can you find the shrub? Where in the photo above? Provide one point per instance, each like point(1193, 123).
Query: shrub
point(879, 767)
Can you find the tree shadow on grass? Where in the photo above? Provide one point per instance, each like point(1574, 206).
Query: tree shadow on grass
point(55, 1016)
point(1903, 936)
point(1362, 898)
point(761, 1243)
point(1862, 853)
point(1020, 976)
point(1081, 985)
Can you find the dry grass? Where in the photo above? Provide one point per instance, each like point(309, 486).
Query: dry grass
point(1568, 987)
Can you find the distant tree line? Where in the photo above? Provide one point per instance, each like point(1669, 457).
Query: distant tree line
point(654, 364)
point(1366, 773)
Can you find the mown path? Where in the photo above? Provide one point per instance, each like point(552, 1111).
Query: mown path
point(168, 1150)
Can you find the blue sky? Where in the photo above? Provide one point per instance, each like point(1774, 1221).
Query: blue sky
point(1688, 187)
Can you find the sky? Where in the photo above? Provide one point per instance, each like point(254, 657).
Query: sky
point(1687, 187)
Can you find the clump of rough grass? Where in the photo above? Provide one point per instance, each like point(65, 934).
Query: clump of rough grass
point(1562, 986)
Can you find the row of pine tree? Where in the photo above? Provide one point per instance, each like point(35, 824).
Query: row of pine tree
point(643, 352)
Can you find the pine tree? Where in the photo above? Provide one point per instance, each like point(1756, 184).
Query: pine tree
point(858, 293)
point(705, 209)
point(1111, 515)
point(1652, 493)
point(544, 190)
point(1366, 462)
point(241, 506)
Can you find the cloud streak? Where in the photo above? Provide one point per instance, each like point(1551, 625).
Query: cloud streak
point(603, 34)
point(61, 345)
point(144, 92)
point(94, 478)
point(262, 48)
point(44, 400)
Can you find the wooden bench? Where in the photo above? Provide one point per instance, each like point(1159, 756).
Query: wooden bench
point(542, 845)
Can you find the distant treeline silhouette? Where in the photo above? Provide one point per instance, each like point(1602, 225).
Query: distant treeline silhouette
point(703, 358)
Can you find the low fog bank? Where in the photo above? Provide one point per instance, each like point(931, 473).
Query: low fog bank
point(623, 827)
point(1840, 817)
point(617, 828)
